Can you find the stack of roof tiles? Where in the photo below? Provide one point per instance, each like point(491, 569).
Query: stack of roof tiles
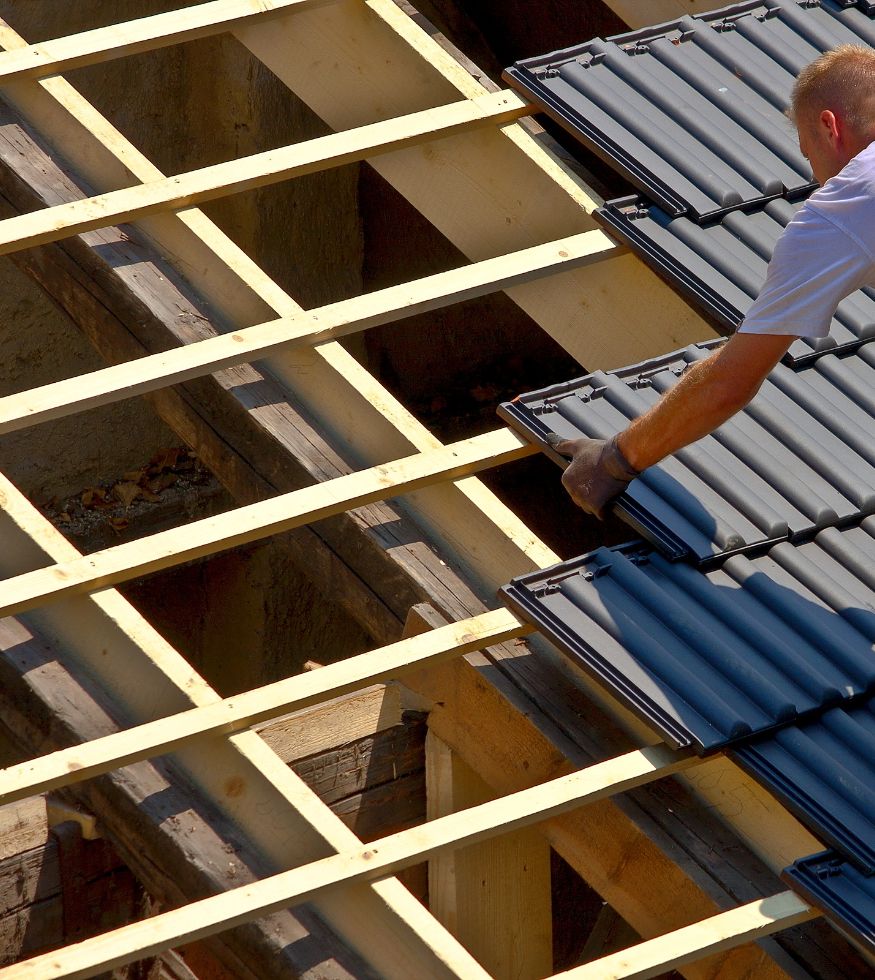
point(742, 617)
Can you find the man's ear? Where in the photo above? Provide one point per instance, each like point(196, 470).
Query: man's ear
point(831, 126)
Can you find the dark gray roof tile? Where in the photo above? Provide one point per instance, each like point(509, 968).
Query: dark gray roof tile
point(693, 112)
point(798, 459)
point(824, 773)
point(721, 267)
point(840, 890)
point(711, 659)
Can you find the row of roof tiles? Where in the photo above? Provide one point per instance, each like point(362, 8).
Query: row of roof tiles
point(693, 112)
point(799, 458)
point(721, 266)
point(744, 621)
point(709, 659)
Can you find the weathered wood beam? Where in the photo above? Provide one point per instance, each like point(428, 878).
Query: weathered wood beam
point(489, 191)
point(23, 825)
point(308, 731)
point(375, 784)
point(258, 170)
point(720, 932)
point(60, 889)
point(382, 857)
point(243, 711)
point(643, 13)
point(137, 36)
point(147, 374)
point(211, 535)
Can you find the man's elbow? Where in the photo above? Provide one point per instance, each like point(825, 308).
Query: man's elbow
point(731, 395)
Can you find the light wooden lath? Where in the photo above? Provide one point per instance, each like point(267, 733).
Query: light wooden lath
point(524, 222)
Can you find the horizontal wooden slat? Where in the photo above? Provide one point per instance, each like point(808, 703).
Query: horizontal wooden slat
point(144, 34)
point(724, 931)
point(242, 711)
point(256, 521)
point(270, 167)
point(370, 863)
point(330, 322)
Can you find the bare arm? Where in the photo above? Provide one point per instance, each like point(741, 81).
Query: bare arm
point(709, 393)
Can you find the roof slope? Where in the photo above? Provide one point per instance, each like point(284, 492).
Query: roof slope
point(799, 458)
point(718, 636)
point(719, 266)
point(748, 622)
point(693, 112)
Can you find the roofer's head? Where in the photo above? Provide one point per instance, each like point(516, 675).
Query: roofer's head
point(833, 107)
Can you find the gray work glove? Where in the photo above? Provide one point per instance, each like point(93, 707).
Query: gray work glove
point(597, 473)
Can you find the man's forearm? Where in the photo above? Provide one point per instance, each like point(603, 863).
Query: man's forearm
point(692, 409)
point(709, 393)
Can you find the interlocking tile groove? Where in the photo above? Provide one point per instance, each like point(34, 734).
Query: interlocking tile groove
point(693, 112)
point(824, 770)
point(799, 458)
point(721, 267)
point(824, 773)
point(710, 659)
point(840, 890)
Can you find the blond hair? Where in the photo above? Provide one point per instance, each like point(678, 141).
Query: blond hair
point(843, 81)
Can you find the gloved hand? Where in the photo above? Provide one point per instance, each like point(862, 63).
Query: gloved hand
point(597, 473)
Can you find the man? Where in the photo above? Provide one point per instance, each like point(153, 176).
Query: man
point(826, 252)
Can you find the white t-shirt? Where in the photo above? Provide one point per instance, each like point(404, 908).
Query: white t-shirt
point(825, 253)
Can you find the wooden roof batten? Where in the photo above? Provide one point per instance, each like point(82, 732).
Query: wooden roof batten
point(489, 543)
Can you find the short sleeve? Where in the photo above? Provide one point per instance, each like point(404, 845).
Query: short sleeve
point(814, 266)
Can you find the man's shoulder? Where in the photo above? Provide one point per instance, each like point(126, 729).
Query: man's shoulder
point(847, 200)
point(858, 175)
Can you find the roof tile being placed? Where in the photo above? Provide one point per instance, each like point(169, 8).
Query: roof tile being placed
point(711, 659)
point(798, 459)
point(693, 112)
point(840, 890)
point(721, 267)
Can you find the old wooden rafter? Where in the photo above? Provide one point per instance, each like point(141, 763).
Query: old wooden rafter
point(243, 711)
point(370, 863)
point(310, 327)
